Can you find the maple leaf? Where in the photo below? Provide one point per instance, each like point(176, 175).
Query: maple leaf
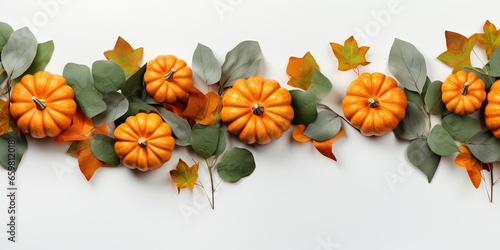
point(203, 108)
point(300, 71)
point(87, 162)
point(80, 129)
point(490, 39)
point(350, 56)
point(458, 50)
point(473, 165)
point(324, 147)
point(184, 176)
point(125, 56)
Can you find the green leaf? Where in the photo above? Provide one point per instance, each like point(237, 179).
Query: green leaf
point(12, 149)
point(116, 106)
point(180, 127)
point(221, 143)
point(43, 55)
point(460, 127)
point(304, 106)
point(487, 79)
point(407, 65)
point(5, 33)
point(320, 85)
point(236, 164)
point(108, 76)
point(421, 156)
point(137, 105)
point(19, 52)
point(90, 101)
point(484, 146)
point(495, 63)
point(205, 139)
point(78, 76)
point(103, 148)
point(326, 126)
point(433, 99)
point(413, 125)
point(133, 86)
point(441, 142)
point(413, 96)
point(241, 62)
point(205, 65)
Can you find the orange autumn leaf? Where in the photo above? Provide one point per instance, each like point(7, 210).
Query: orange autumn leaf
point(80, 129)
point(203, 108)
point(458, 50)
point(87, 162)
point(300, 71)
point(184, 176)
point(490, 39)
point(324, 147)
point(350, 56)
point(471, 164)
point(124, 55)
point(4, 117)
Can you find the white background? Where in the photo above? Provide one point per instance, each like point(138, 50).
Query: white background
point(296, 198)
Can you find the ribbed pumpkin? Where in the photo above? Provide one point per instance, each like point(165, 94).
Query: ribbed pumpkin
point(168, 78)
point(463, 93)
point(144, 142)
point(42, 104)
point(374, 104)
point(492, 109)
point(257, 110)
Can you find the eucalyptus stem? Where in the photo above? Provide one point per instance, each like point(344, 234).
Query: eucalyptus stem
point(491, 182)
point(210, 165)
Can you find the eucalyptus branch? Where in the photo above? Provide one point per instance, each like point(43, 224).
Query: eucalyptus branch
point(211, 161)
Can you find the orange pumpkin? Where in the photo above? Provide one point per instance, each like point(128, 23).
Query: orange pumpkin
point(168, 78)
point(257, 110)
point(42, 104)
point(492, 109)
point(463, 93)
point(374, 104)
point(144, 142)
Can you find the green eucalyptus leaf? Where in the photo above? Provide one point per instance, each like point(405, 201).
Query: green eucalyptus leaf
point(108, 76)
point(304, 106)
point(407, 65)
point(205, 139)
point(133, 86)
point(421, 156)
point(495, 63)
point(484, 146)
point(241, 62)
point(413, 125)
point(320, 85)
point(441, 142)
point(205, 65)
point(19, 52)
point(43, 55)
point(90, 101)
point(12, 149)
point(103, 148)
point(236, 164)
point(116, 106)
point(180, 127)
point(413, 96)
point(428, 82)
point(5, 33)
point(461, 127)
point(78, 76)
point(221, 143)
point(326, 126)
point(487, 79)
point(137, 105)
point(433, 99)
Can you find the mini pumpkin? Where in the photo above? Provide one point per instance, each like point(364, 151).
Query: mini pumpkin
point(492, 109)
point(144, 142)
point(463, 93)
point(42, 104)
point(374, 104)
point(168, 78)
point(257, 110)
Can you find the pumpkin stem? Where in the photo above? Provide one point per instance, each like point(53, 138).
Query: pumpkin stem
point(465, 90)
point(258, 109)
point(373, 102)
point(41, 104)
point(142, 142)
point(169, 75)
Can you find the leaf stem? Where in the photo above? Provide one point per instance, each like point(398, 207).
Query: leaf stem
point(210, 166)
point(491, 182)
point(479, 58)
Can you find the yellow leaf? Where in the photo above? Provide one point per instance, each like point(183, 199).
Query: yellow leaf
point(125, 56)
point(300, 70)
point(458, 50)
point(350, 56)
point(184, 176)
point(490, 39)
point(471, 164)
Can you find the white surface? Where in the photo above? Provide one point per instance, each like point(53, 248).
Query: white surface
point(295, 199)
